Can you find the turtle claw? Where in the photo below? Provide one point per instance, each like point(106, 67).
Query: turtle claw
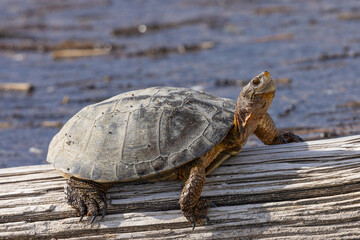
point(208, 220)
point(197, 214)
point(286, 137)
point(193, 225)
point(104, 207)
point(212, 204)
point(81, 209)
point(103, 213)
point(291, 137)
point(85, 199)
point(93, 218)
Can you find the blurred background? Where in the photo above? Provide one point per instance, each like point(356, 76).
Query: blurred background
point(59, 56)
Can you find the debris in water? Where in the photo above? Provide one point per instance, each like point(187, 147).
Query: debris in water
point(287, 111)
point(65, 100)
point(35, 150)
point(351, 104)
point(154, 27)
point(22, 87)
point(242, 82)
point(5, 125)
point(51, 124)
point(348, 16)
point(272, 9)
point(163, 51)
point(78, 53)
point(273, 38)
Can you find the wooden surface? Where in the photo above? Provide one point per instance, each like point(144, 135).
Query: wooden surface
point(296, 191)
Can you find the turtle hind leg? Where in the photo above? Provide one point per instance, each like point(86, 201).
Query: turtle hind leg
point(193, 207)
point(88, 198)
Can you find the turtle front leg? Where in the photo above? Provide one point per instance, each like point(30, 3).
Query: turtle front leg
point(267, 132)
point(193, 207)
point(88, 198)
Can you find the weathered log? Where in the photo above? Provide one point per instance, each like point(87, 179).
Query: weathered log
point(305, 190)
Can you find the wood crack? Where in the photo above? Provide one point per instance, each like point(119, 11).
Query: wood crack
point(261, 193)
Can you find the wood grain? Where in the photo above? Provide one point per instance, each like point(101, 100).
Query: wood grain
point(305, 190)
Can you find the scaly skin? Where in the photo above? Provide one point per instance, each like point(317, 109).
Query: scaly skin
point(250, 117)
point(270, 135)
point(88, 197)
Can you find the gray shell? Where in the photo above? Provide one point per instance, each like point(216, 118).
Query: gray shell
point(140, 133)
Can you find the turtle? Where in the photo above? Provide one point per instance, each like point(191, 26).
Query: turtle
point(160, 134)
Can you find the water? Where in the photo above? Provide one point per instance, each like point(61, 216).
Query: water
point(314, 43)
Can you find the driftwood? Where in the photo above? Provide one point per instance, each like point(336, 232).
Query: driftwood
point(78, 53)
point(296, 191)
point(23, 87)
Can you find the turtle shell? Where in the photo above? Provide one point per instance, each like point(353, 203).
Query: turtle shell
point(139, 134)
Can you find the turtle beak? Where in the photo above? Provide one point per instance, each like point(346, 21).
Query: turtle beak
point(267, 84)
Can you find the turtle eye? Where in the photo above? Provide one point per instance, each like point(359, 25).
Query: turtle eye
point(256, 82)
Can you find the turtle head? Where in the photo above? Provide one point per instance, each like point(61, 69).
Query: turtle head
point(259, 87)
point(255, 98)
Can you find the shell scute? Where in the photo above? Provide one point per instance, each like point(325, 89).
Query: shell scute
point(140, 134)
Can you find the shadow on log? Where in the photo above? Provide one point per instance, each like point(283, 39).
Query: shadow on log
point(305, 190)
